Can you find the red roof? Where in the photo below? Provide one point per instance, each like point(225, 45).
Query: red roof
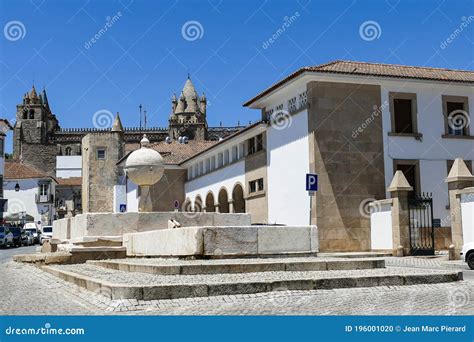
point(376, 70)
point(15, 169)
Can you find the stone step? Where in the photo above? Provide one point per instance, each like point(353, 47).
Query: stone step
point(355, 255)
point(72, 255)
point(186, 267)
point(141, 286)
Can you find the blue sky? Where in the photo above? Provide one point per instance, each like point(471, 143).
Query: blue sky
point(144, 57)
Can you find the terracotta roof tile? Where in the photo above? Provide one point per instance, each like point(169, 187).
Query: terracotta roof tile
point(15, 169)
point(72, 181)
point(174, 153)
point(377, 70)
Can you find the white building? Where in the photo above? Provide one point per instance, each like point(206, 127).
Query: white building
point(354, 124)
point(29, 190)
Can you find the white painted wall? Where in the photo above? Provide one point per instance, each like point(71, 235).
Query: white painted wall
point(68, 166)
point(288, 163)
point(433, 150)
point(226, 177)
point(25, 199)
point(467, 216)
point(120, 197)
point(132, 197)
point(381, 227)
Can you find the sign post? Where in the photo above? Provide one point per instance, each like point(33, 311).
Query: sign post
point(311, 187)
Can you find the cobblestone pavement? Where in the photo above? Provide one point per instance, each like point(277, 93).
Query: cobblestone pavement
point(29, 291)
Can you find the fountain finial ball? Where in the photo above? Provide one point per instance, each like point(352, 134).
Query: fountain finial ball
point(145, 166)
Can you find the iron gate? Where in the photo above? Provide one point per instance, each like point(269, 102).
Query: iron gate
point(420, 211)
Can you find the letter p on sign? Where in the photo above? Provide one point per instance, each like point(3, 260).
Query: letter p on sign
point(311, 182)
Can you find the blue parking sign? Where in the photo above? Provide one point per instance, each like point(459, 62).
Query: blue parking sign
point(311, 182)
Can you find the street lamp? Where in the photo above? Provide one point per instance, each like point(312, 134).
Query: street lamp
point(17, 187)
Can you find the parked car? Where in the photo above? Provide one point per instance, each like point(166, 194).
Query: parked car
point(16, 231)
point(27, 238)
point(467, 254)
point(31, 227)
point(6, 237)
point(47, 233)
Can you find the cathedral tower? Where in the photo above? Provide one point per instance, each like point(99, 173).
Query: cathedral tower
point(34, 128)
point(188, 114)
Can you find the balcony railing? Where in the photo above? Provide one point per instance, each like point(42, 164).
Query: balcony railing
point(44, 198)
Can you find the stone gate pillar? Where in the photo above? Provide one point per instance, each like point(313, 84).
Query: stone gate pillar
point(399, 189)
point(459, 177)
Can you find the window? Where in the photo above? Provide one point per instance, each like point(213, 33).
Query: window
point(2, 143)
point(411, 171)
point(255, 144)
point(68, 151)
point(292, 105)
point(251, 146)
point(279, 107)
point(403, 111)
point(32, 113)
point(456, 115)
point(101, 153)
point(43, 189)
point(303, 99)
point(256, 185)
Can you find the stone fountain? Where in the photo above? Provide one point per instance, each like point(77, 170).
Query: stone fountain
point(200, 235)
point(145, 167)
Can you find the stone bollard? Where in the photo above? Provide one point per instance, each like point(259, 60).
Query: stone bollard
point(400, 251)
point(452, 252)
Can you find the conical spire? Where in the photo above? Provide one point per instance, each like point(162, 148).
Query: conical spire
point(33, 94)
point(399, 183)
point(45, 98)
point(459, 172)
point(117, 126)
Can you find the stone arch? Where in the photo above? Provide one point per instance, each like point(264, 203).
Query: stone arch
point(198, 204)
point(238, 198)
point(210, 202)
point(187, 205)
point(223, 199)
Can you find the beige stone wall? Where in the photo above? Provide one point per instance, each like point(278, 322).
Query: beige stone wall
point(168, 189)
point(100, 176)
point(256, 203)
point(350, 168)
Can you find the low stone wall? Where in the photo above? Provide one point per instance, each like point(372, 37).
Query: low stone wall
point(62, 229)
point(118, 224)
point(231, 241)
